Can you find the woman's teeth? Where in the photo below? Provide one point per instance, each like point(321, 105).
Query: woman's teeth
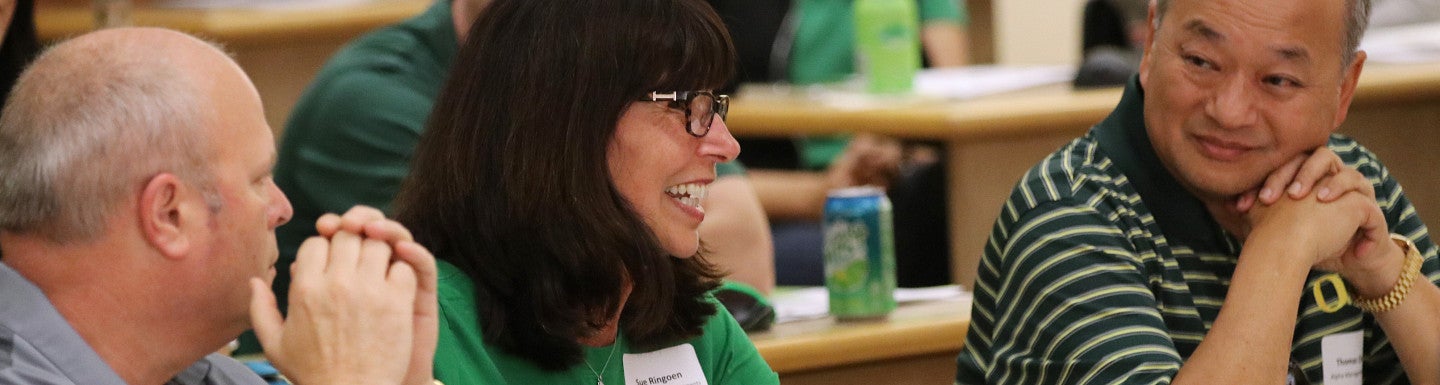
point(689, 194)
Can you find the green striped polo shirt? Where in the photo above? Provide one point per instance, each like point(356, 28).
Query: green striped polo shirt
point(1102, 269)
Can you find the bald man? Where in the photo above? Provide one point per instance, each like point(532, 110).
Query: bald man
point(137, 219)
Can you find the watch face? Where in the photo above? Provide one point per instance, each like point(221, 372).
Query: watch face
point(1296, 375)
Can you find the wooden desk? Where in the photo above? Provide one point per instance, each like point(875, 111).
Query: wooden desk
point(992, 141)
point(918, 344)
point(281, 49)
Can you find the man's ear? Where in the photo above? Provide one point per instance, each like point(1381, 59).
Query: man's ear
point(1347, 88)
point(166, 214)
point(1151, 24)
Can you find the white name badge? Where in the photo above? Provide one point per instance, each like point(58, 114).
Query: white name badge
point(1344, 362)
point(675, 365)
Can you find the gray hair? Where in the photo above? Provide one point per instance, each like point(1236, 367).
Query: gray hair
point(86, 126)
point(1356, 21)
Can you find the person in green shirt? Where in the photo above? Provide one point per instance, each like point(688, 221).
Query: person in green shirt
point(351, 135)
point(560, 184)
point(814, 44)
point(822, 50)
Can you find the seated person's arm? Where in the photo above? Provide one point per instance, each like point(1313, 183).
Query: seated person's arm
point(1330, 179)
point(945, 44)
point(736, 233)
point(942, 32)
point(1289, 232)
point(790, 194)
point(1415, 326)
point(800, 195)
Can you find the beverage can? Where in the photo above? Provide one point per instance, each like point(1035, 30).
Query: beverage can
point(859, 253)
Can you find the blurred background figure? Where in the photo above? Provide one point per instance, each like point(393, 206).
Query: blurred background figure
point(18, 44)
point(805, 42)
point(1111, 39)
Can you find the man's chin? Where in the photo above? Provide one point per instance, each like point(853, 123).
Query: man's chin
point(1219, 185)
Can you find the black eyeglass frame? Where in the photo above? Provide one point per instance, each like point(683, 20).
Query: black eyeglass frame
point(719, 105)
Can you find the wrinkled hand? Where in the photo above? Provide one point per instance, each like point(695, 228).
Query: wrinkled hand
point(349, 307)
point(868, 160)
point(1335, 186)
point(1346, 235)
point(1321, 171)
point(372, 223)
point(353, 308)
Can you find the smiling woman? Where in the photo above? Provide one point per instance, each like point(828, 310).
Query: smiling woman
point(559, 180)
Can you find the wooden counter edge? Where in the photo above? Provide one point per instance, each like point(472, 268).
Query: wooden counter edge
point(864, 343)
point(1007, 116)
point(241, 26)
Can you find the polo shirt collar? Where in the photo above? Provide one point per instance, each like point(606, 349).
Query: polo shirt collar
point(31, 317)
point(1180, 215)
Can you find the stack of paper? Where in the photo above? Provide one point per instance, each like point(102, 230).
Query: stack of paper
point(1419, 43)
point(806, 303)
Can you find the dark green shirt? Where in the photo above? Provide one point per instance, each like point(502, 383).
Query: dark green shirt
point(1103, 269)
point(350, 136)
point(824, 52)
point(725, 353)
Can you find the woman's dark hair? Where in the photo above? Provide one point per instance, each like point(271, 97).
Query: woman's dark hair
point(20, 46)
point(510, 180)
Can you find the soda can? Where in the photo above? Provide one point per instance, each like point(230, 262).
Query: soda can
point(859, 253)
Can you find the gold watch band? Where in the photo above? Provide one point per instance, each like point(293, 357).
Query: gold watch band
point(1408, 274)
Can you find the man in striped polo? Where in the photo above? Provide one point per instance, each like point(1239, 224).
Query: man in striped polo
point(1180, 240)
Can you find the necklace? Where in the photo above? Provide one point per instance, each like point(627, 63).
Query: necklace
point(599, 379)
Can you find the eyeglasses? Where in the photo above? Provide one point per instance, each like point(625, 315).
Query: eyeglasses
point(700, 108)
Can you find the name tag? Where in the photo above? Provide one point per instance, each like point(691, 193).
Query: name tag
point(1344, 362)
point(676, 365)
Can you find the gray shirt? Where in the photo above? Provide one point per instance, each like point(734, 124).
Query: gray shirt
point(38, 347)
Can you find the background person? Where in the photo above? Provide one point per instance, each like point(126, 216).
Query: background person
point(18, 44)
point(806, 42)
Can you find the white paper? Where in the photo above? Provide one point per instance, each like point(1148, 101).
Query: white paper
point(814, 302)
point(1343, 361)
point(931, 85)
point(801, 304)
point(675, 365)
point(1419, 43)
point(975, 81)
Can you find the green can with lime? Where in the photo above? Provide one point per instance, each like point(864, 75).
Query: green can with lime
point(859, 253)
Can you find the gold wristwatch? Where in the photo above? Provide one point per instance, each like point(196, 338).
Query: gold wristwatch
point(1408, 274)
